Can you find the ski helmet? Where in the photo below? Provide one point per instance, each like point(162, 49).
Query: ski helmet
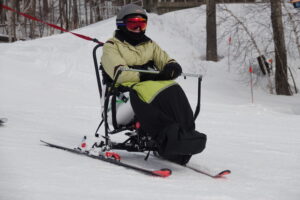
point(129, 9)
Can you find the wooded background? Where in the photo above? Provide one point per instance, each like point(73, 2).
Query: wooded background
point(72, 14)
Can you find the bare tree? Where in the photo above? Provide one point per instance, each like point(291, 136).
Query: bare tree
point(25, 8)
point(2, 14)
point(11, 17)
point(211, 31)
point(52, 15)
point(63, 14)
point(292, 20)
point(91, 11)
point(86, 11)
point(281, 78)
point(75, 18)
point(97, 11)
point(45, 11)
point(32, 12)
point(253, 43)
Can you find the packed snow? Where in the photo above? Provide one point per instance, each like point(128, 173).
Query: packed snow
point(49, 92)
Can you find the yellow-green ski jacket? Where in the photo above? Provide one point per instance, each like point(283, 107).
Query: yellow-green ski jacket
point(118, 53)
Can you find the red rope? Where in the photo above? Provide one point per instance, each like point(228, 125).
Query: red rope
point(52, 25)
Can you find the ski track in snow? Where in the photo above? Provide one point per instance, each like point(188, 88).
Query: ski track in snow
point(48, 91)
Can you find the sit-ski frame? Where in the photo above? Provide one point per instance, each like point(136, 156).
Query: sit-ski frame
point(113, 88)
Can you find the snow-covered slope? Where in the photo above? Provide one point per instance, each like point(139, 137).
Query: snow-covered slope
point(48, 91)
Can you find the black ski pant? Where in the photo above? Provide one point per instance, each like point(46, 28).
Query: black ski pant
point(170, 122)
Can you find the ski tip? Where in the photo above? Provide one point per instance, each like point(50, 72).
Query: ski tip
point(42, 141)
point(162, 172)
point(223, 173)
point(3, 120)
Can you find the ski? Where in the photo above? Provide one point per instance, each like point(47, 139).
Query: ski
point(113, 158)
point(3, 120)
point(221, 174)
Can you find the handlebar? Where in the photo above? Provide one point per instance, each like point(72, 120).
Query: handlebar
point(157, 72)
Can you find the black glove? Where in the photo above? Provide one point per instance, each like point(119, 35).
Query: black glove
point(170, 71)
point(148, 77)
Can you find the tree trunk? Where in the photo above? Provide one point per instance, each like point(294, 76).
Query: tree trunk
point(2, 13)
point(63, 10)
point(75, 20)
point(211, 31)
point(79, 13)
point(11, 18)
point(41, 26)
point(52, 16)
point(86, 13)
point(91, 11)
point(281, 78)
point(69, 15)
point(32, 23)
point(97, 12)
point(45, 9)
point(147, 5)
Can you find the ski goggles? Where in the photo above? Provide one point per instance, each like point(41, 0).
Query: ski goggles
point(136, 22)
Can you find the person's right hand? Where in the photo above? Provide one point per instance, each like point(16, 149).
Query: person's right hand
point(170, 71)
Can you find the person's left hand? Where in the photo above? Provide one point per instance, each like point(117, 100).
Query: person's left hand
point(170, 71)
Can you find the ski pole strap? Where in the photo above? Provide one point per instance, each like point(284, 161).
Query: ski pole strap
point(52, 25)
point(197, 110)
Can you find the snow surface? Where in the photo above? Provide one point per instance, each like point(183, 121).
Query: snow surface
point(48, 91)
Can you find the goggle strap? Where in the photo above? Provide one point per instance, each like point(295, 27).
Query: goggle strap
point(121, 24)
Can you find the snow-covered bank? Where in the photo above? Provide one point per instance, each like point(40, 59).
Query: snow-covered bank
point(48, 91)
